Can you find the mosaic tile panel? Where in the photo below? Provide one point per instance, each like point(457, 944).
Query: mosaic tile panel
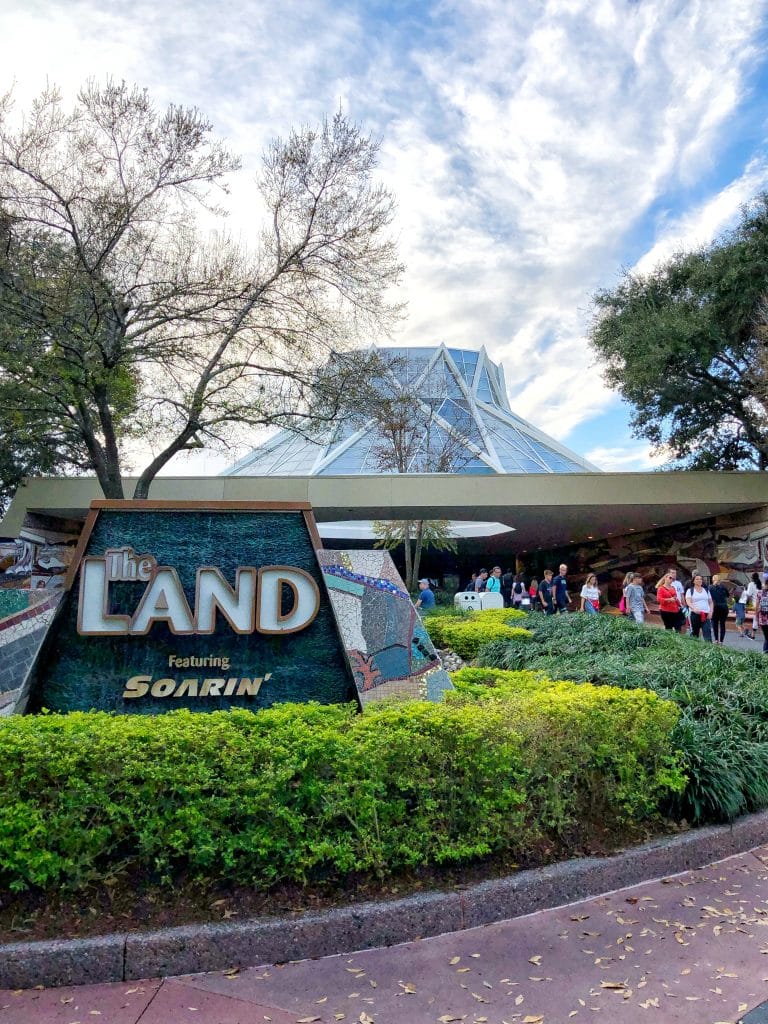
point(25, 616)
point(387, 646)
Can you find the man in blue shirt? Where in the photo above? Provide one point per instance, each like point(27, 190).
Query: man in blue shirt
point(560, 591)
point(426, 597)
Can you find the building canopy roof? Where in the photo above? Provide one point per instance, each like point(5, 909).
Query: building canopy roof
point(460, 404)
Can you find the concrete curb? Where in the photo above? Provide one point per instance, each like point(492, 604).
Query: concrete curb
point(209, 947)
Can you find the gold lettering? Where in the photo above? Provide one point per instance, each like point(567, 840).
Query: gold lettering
point(231, 684)
point(163, 687)
point(249, 687)
point(137, 686)
point(187, 688)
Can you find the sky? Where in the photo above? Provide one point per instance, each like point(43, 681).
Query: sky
point(536, 149)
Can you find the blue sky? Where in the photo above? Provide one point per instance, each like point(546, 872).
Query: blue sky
point(535, 148)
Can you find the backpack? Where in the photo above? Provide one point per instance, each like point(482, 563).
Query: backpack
point(763, 605)
point(519, 588)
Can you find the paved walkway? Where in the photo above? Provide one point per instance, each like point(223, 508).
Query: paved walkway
point(692, 949)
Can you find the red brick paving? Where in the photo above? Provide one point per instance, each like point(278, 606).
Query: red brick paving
point(691, 949)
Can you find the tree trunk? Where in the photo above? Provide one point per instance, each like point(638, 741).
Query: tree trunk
point(408, 564)
point(417, 552)
point(141, 491)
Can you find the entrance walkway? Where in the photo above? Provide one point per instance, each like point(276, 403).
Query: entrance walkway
point(692, 949)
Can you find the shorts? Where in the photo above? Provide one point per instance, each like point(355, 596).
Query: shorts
point(639, 616)
point(740, 611)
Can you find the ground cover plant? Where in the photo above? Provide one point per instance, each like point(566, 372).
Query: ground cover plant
point(722, 695)
point(306, 793)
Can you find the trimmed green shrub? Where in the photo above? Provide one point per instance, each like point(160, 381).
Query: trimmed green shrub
point(722, 695)
point(576, 745)
point(310, 792)
point(466, 632)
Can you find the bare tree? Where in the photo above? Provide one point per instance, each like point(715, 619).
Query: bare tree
point(123, 319)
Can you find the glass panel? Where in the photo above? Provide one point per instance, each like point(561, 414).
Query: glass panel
point(484, 388)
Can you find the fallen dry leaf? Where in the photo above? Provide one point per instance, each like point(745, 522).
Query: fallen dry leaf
point(535, 960)
point(408, 988)
point(535, 1019)
point(454, 960)
point(365, 1019)
point(307, 1020)
point(519, 1000)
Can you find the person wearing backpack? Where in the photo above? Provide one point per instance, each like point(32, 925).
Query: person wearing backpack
point(762, 614)
point(493, 583)
point(518, 591)
point(507, 580)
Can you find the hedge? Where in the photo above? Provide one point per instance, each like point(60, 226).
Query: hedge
point(465, 633)
point(611, 746)
point(722, 695)
point(308, 792)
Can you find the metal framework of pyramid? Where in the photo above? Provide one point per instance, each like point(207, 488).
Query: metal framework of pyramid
point(465, 396)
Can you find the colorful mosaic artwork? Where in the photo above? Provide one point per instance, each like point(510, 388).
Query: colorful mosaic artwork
point(388, 649)
point(25, 616)
point(384, 646)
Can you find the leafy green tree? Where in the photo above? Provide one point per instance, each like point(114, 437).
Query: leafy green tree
point(686, 346)
point(127, 312)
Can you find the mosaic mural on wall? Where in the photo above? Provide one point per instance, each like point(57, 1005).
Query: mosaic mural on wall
point(388, 649)
point(32, 572)
point(366, 628)
point(25, 616)
point(734, 546)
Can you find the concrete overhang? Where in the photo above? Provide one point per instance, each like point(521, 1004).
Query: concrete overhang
point(546, 510)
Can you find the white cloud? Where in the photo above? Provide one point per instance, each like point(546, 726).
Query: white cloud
point(625, 458)
point(528, 143)
point(706, 221)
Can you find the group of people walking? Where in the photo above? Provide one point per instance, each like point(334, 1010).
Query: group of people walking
point(699, 610)
point(549, 595)
point(704, 610)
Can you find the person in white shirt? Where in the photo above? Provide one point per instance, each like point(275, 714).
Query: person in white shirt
point(590, 595)
point(700, 603)
point(753, 588)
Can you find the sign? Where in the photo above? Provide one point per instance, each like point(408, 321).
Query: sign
point(194, 605)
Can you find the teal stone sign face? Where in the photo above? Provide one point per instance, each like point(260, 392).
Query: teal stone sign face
point(200, 608)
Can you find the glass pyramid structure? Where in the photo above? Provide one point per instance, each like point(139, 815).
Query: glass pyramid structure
point(464, 398)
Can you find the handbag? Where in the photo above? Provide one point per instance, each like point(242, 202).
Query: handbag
point(623, 605)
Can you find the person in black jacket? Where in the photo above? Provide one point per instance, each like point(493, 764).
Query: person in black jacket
point(506, 587)
point(719, 594)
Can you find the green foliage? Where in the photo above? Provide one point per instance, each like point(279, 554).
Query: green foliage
point(300, 792)
point(686, 346)
point(722, 695)
point(611, 746)
point(465, 634)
